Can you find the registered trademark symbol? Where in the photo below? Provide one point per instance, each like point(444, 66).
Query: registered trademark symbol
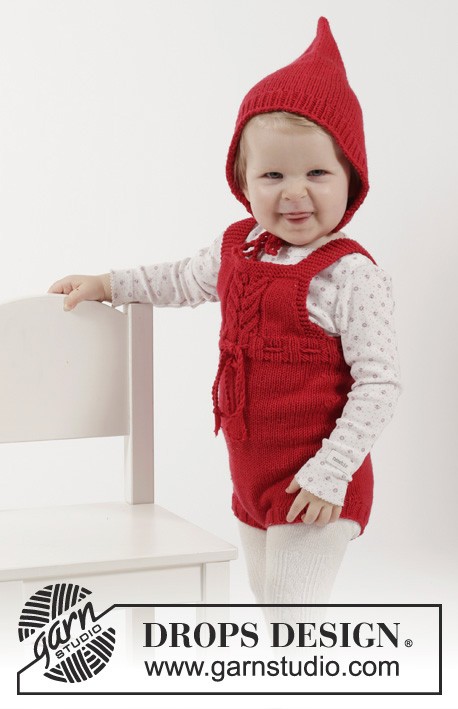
point(408, 643)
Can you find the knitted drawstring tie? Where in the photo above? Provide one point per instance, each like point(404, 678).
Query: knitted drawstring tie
point(266, 242)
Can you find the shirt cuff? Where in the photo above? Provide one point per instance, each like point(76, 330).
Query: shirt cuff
point(327, 476)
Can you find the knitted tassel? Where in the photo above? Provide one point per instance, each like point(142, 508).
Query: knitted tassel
point(231, 357)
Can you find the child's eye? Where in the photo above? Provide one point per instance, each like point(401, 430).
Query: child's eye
point(316, 173)
point(273, 175)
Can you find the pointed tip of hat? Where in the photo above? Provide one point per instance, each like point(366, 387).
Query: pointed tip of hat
point(323, 23)
point(325, 43)
point(323, 29)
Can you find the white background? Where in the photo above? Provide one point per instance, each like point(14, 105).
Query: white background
point(115, 119)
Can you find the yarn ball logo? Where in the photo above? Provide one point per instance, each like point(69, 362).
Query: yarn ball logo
point(67, 634)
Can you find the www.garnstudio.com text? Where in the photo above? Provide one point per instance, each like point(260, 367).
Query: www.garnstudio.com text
point(315, 666)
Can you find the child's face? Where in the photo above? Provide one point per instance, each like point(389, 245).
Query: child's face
point(297, 181)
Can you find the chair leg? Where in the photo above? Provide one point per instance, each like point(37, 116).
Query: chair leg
point(215, 582)
point(215, 589)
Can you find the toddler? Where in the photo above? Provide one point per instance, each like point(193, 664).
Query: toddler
point(308, 370)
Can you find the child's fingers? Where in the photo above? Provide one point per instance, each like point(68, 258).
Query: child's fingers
point(64, 285)
point(311, 513)
point(293, 486)
point(70, 286)
point(300, 501)
point(73, 298)
point(324, 516)
point(335, 513)
point(82, 291)
point(321, 515)
point(317, 511)
point(78, 288)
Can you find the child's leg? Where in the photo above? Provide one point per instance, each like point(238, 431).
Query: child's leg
point(254, 548)
point(302, 562)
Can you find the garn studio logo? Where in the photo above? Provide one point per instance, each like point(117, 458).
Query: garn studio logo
point(73, 642)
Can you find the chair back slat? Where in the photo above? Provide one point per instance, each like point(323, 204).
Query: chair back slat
point(62, 374)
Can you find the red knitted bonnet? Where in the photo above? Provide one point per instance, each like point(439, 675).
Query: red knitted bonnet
point(315, 86)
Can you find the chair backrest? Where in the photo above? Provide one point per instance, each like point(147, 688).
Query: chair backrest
point(80, 374)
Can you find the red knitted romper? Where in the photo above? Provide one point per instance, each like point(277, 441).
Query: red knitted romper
point(282, 382)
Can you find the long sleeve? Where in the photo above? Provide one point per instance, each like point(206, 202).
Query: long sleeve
point(363, 308)
point(191, 281)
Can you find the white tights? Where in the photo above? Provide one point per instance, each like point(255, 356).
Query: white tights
point(295, 563)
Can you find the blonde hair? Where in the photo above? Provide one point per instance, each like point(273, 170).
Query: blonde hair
point(280, 119)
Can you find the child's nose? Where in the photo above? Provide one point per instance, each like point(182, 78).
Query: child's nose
point(295, 189)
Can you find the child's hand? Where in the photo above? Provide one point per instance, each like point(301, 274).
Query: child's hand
point(318, 511)
point(79, 288)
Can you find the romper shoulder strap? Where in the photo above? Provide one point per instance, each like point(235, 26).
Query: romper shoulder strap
point(317, 261)
point(327, 254)
point(236, 234)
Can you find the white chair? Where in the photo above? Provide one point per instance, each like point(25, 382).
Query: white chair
point(88, 373)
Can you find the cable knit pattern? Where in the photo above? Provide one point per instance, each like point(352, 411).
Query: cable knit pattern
point(282, 382)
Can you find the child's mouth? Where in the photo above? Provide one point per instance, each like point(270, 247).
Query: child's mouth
point(297, 216)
